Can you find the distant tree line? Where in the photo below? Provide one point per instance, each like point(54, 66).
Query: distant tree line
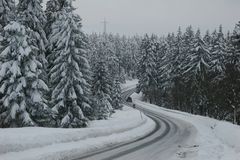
point(121, 53)
point(193, 73)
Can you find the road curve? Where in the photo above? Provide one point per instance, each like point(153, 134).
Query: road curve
point(162, 143)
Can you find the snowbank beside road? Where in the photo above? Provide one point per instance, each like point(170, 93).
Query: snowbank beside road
point(52, 144)
point(215, 140)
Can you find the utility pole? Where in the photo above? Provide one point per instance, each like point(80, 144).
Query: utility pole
point(104, 26)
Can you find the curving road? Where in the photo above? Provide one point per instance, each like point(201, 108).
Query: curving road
point(164, 142)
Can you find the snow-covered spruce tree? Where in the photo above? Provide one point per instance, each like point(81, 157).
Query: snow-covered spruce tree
point(232, 72)
point(217, 46)
point(207, 38)
point(116, 98)
point(196, 72)
point(236, 43)
point(188, 39)
point(147, 68)
point(175, 78)
point(102, 86)
point(31, 15)
point(134, 51)
point(217, 49)
point(70, 66)
point(87, 74)
point(101, 91)
point(7, 8)
point(162, 72)
point(227, 89)
point(188, 45)
point(22, 103)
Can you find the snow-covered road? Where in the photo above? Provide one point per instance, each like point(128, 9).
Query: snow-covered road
point(164, 143)
point(178, 136)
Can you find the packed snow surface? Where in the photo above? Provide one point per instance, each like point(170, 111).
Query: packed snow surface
point(215, 140)
point(53, 144)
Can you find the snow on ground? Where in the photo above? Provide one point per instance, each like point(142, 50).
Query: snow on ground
point(130, 84)
point(54, 144)
point(215, 140)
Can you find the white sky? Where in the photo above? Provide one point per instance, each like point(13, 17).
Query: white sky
point(157, 16)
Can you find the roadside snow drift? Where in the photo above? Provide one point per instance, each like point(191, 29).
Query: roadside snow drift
point(215, 140)
point(55, 144)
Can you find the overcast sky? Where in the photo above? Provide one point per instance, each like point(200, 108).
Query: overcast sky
point(157, 16)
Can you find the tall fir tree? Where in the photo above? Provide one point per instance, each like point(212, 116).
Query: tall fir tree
point(22, 103)
point(217, 49)
point(68, 73)
point(147, 68)
point(117, 99)
point(31, 15)
point(207, 38)
point(176, 87)
point(233, 72)
point(236, 44)
point(196, 72)
point(101, 89)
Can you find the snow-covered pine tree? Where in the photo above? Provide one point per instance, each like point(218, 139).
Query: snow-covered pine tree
point(147, 68)
point(116, 98)
point(217, 49)
point(207, 38)
point(188, 39)
point(199, 61)
point(227, 97)
point(164, 63)
point(85, 68)
point(134, 49)
point(101, 89)
point(196, 71)
point(68, 76)
point(176, 81)
point(31, 15)
point(7, 8)
point(22, 103)
point(115, 64)
point(178, 53)
point(236, 44)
